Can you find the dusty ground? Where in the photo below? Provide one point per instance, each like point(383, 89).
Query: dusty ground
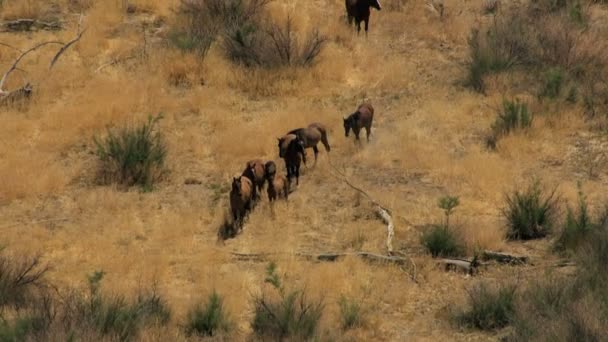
point(428, 141)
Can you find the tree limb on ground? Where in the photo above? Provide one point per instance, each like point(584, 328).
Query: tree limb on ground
point(7, 97)
point(382, 212)
point(331, 257)
point(21, 25)
point(504, 257)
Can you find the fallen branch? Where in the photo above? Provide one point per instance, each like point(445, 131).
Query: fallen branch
point(65, 47)
point(504, 258)
point(14, 66)
point(469, 267)
point(382, 212)
point(20, 25)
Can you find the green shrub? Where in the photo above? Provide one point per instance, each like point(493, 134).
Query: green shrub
point(514, 115)
point(133, 156)
point(441, 241)
point(210, 319)
point(489, 309)
point(577, 227)
point(530, 214)
point(553, 82)
point(350, 313)
point(292, 316)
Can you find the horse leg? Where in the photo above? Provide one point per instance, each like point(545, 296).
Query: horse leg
point(316, 150)
point(368, 130)
point(297, 175)
point(358, 24)
point(366, 25)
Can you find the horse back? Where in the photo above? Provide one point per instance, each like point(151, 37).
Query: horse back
point(246, 188)
point(366, 113)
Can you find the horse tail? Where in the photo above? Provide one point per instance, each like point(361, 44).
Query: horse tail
point(324, 138)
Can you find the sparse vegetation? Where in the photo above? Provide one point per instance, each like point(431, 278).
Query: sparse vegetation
point(514, 115)
point(569, 308)
point(530, 214)
point(553, 83)
point(350, 313)
point(292, 315)
point(132, 156)
point(489, 308)
point(209, 319)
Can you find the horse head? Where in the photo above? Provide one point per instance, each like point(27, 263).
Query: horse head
point(375, 4)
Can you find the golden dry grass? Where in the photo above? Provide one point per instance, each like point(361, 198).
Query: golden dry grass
point(427, 142)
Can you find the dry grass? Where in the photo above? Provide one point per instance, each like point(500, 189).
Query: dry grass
point(427, 141)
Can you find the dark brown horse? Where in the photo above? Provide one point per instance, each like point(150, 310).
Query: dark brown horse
point(241, 196)
point(311, 136)
point(360, 11)
point(254, 170)
point(291, 149)
point(278, 185)
point(362, 118)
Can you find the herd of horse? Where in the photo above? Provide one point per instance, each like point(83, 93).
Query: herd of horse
point(247, 188)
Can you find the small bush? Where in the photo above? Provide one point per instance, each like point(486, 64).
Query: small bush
point(514, 115)
point(530, 214)
point(441, 241)
point(292, 316)
point(489, 309)
point(208, 320)
point(553, 82)
point(21, 279)
point(273, 45)
point(577, 226)
point(133, 156)
point(350, 313)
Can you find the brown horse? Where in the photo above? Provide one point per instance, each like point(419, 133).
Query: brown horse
point(360, 11)
point(311, 136)
point(278, 185)
point(362, 118)
point(254, 170)
point(291, 149)
point(241, 197)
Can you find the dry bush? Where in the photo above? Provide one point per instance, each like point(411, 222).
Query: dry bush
point(274, 45)
point(200, 22)
point(536, 40)
point(489, 308)
point(21, 279)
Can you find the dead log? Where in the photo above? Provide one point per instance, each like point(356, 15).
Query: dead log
point(466, 266)
point(504, 258)
point(22, 25)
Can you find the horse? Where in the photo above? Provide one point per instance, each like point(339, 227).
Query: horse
point(360, 11)
point(291, 149)
point(362, 118)
point(254, 170)
point(240, 198)
point(311, 136)
point(278, 185)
